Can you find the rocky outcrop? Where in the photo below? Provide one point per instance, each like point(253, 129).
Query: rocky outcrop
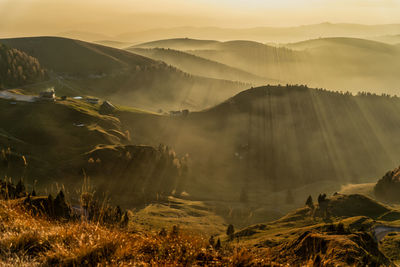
point(388, 187)
point(327, 249)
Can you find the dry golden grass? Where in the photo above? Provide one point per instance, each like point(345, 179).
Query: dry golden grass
point(27, 240)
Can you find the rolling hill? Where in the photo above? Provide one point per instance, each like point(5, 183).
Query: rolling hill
point(364, 64)
point(389, 39)
point(275, 63)
point(79, 67)
point(276, 138)
point(179, 44)
point(297, 131)
point(199, 66)
point(66, 140)
point(341, 42)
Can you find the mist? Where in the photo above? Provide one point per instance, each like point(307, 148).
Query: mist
point(180, 132)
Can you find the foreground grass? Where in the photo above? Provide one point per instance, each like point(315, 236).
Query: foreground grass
point(27, 240)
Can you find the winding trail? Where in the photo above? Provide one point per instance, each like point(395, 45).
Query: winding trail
point(381, 231)
point(17, 97)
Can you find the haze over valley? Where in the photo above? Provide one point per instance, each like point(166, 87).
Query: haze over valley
point(164, 134)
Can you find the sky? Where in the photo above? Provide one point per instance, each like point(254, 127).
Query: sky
point(112, 17)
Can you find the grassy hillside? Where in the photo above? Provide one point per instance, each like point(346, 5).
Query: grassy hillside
point(69, 139)
point(305, 133)
point(34, 240)
point(301, 235)
point(300, 238)
point(84, 68)
point(271, 139)
point(17, 68)
point(199, 66)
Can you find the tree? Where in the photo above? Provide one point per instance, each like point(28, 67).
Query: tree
point(310, 202)
point(321, 198)
point(20, 189)
point(230, 230)
point(212, 241)
point(218, 245)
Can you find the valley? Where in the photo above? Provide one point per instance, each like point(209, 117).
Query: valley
point(201, 146)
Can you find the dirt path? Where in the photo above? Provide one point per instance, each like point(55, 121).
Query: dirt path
point(381, 231)
point(17, 97)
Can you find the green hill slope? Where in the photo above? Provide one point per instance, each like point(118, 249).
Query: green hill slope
point(84, 68)
point(268, 142)
point(66, 140)
point(286, 132)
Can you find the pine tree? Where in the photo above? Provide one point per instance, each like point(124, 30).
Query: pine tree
point(218, 245)
point(310, 202)
point(230, 230)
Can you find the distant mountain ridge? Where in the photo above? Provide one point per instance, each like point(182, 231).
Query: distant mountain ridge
point(199, 66)
point(364, 64)
point(265, 34)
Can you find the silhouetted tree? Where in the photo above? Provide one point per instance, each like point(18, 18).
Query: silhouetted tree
point(163, 232)
point(230, 231)
point(310, 202)
point(20, 188)
point(218, 244)
point(125, 220)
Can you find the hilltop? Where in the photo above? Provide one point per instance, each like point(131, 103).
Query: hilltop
point(79, 67)
point(178, 44)
point(342, 42)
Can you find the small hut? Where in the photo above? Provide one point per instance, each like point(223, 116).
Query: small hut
point(92, 100)
point(48, 95)
point(107, 108)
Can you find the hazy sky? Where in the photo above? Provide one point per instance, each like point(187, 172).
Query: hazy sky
point(31, 17)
